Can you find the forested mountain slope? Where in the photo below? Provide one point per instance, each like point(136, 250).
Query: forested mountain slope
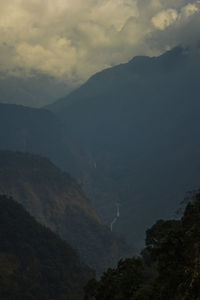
point(140, 123)
point(168, 268)
point(56, 200)
point(34, 262)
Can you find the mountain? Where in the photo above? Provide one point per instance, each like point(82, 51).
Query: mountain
point(57, 201)
point(39, 131)
point(168, 267)
point(140, 124)
point(34, 262)
point(36, 90)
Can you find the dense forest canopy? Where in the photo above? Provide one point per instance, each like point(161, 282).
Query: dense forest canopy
point(168, 268)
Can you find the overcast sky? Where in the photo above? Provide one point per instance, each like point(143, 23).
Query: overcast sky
point(73, 39)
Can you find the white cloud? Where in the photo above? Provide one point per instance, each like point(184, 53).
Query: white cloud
point(165, 18)
point(189, 9)
point(72, 39)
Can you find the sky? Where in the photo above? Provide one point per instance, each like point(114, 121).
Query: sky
point(73, 39)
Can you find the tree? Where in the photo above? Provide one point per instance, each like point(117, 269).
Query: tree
point(169, 266)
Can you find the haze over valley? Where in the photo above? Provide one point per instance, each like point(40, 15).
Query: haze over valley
point(99, 150)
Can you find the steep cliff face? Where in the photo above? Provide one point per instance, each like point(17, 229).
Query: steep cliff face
point(56, 200)
point(34, 262)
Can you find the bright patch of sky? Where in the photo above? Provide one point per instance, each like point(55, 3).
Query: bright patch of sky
point(73, 39)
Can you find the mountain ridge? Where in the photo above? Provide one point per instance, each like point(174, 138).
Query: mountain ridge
point(35, 90)
point(34, 262)
point(139, 121)
point(57, 201)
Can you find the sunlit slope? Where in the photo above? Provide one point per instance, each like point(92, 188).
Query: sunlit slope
point(140, 123)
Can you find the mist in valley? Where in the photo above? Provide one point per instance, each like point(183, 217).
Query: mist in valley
point(99, 150)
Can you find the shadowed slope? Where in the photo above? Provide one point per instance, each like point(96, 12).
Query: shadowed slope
point(34, 262)
point(140, 123)
point(56, 200)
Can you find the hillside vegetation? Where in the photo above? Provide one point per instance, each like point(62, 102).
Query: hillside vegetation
point(34, 262)
point(168, 268)
point(140, 123)
point(57, 201)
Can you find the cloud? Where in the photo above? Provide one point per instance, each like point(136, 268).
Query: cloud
point(72, 39)
point(189, 9)
point(165, 18)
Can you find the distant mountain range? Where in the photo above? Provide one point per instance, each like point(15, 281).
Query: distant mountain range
point(39, 131)
point(36, 90)
point(56, 200)
point(140, 124)
point(130, 135)
point(34, 262)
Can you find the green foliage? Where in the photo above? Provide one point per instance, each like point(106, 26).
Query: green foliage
point(169, 267)
point(117, 284)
